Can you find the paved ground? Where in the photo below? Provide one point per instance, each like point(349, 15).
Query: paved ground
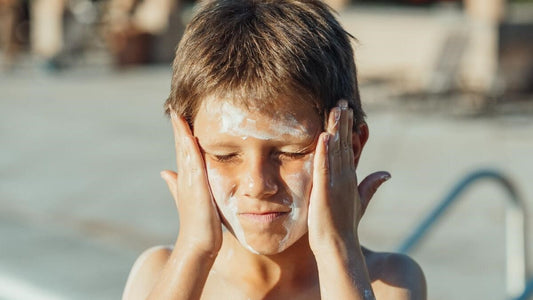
point(81, 196)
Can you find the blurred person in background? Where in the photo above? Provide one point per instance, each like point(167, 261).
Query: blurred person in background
point(61, 30)
point(142, 31)
point(47, 30)
point(145, 31)
point(135, 31)
point(12, 30)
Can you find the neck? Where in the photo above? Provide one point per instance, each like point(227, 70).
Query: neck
point(293, 267)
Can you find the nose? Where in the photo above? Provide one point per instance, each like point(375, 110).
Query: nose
point(259, 179)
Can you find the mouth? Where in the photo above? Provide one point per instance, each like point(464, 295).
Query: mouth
point(264, 217)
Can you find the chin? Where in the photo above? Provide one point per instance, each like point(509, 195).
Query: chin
point(272, 244)
point(267, 239)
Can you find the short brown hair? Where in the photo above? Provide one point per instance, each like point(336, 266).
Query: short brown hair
point(252, 52)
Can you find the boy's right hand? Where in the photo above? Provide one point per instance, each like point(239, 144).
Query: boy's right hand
point(200, 226)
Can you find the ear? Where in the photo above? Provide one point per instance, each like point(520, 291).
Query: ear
point(358, 142)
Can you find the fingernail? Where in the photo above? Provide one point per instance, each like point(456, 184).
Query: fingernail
point(162, 173)
point(337, 115)
point(173, 115)
point(343, 104)
point(325, 139)
point(385, 177)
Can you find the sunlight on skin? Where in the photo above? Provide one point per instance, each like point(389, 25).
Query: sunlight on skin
point(225, 129)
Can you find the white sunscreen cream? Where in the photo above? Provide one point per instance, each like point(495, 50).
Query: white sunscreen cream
point(296, 224)
point(237, 122)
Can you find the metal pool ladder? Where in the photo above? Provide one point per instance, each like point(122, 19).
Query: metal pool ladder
point(515, 236)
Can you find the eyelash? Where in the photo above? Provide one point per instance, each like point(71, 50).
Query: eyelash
point(281, 155)
point(291, 155)
point(225, 158)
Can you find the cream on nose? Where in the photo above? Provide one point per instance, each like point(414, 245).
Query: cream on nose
point(258, 181)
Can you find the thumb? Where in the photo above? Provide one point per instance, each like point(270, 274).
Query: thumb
point(368, 187)
point(171, 178)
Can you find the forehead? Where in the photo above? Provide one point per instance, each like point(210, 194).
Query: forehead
point(225, 117)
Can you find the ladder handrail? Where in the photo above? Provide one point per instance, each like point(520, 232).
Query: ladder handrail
point(528, 291)
point(515, 227)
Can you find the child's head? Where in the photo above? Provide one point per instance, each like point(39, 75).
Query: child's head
point(256, 80)
point(259, 53)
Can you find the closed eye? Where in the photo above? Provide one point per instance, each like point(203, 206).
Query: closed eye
point(225, 157)
point(292, 155)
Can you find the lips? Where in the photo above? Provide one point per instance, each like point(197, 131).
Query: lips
point(263, 217)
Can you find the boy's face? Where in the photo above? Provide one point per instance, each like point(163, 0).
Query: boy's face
point(260, 170)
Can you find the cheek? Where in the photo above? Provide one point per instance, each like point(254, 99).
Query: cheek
point(300, 188)
point(220, 185)
point(299, 184)
point(222, 191)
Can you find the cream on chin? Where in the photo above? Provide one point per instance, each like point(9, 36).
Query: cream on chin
point(253, 237)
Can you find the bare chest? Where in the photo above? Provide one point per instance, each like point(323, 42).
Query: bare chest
point(216, 289)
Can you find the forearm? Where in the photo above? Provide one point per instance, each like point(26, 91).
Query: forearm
point(184, 275)
point(343, 273)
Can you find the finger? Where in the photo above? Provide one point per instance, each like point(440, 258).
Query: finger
point(193, 163)
point(177, 137)
point(171, 179)
point(368, 187)
point(351, 160)
point(321, 168)
point(334, 150)
point(186, 146)
point(333, 121)
point(343, 128)
point(192, 156)
point(346, 140)
point(183, 127)
point(188, 142)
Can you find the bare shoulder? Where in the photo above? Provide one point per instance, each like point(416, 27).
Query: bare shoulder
point(145, 272)
point(395, 276)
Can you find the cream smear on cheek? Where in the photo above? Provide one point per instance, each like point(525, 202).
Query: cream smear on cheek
point(227, 203)
point(300, 188)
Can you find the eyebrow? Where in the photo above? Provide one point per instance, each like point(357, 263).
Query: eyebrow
point(220, 145)
point(233, 145)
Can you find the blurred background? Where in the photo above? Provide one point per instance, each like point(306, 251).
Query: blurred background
point(448, 90)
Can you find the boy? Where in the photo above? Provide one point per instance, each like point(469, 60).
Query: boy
point(268, 132)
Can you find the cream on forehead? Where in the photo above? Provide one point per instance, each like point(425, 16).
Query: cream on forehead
point(236, 121)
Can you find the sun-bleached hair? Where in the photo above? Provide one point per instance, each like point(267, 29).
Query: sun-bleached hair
point(259, 53)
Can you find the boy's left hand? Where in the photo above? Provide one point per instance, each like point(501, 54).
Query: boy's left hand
point(336, 203)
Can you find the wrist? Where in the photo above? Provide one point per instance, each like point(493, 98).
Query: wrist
point(343, 273)
point(337, 246)
point(190, 250)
